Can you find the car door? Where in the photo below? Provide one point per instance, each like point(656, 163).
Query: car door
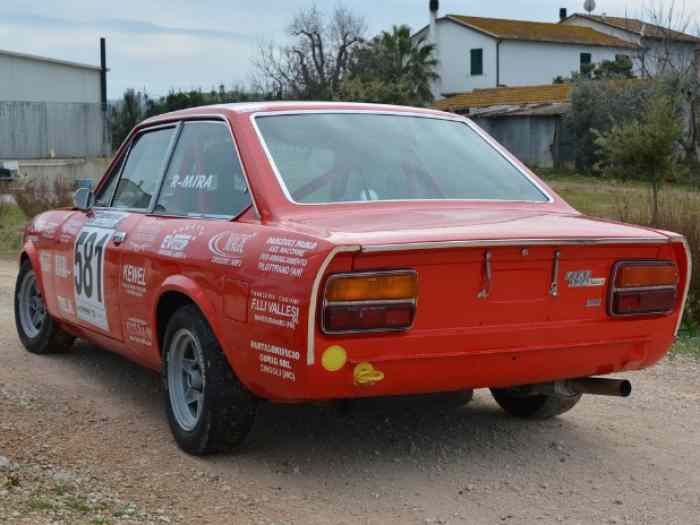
point(92, 241)
point(189, 231)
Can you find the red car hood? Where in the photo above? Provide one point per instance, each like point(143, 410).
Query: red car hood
point(399, 226)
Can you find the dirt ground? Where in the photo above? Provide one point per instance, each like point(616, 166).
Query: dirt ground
point(83, 439)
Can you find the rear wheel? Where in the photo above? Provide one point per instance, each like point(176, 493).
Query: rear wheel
point(533, 407)
point(208, 408)
point(37, 330)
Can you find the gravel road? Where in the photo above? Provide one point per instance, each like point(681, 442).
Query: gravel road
point(83, 439)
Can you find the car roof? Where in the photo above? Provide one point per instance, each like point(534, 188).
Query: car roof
point(273, 106)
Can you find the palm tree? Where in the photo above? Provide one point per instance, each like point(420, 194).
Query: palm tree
point(393, 67)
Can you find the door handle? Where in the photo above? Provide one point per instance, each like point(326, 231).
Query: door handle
point(118, 238)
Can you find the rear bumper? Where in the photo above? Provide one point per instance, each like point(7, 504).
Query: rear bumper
point(444, 372)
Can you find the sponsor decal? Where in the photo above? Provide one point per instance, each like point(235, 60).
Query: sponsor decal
point(276, 361)
point(65, 305)
point(61, 267)
point(105, 219)
point(45, 228)
point(138, 331)
point(227, 247)
point(72, 226)
point(143, 237)
point(45, 260)
point(583, 279)
point(174, 244)
point(285, 256)
point(194, 182)
point(134, 280)
point(89, 273)
point(275, 310)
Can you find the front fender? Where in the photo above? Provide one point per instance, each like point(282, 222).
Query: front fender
point(30, 252)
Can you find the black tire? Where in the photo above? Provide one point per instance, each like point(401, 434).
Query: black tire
point(533, 407)
point(50, 338)
point(228, 408)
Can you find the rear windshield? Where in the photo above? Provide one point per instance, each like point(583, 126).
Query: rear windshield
point(347, 157)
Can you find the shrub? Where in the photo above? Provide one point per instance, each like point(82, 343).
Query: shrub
point(40, 194)
point(598, 105)
point(644, 148)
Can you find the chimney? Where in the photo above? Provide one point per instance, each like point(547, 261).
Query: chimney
point(434, 8)
point(563, 14)
point(103, 73)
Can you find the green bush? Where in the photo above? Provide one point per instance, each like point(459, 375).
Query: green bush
point(599, 105)
point(645, 147)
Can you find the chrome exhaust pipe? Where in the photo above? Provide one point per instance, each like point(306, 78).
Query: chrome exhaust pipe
point(585, 385)
point(601, 386)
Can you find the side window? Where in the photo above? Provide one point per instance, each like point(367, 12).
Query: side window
point(104, 196)
point(204, 176)
point(476, 61)
point(143, 169)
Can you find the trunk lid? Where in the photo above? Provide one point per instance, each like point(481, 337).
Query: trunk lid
point(399, 225)
point(491, 267)
point(470, 287)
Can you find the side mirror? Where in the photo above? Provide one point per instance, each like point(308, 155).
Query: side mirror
point(83, 199)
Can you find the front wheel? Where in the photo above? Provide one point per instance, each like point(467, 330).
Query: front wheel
point(208, 408)
point(36, 329)
point(533, 407)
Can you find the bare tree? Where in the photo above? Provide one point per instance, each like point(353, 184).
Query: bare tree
point(662, 50)
point(313, 64)
point(666, 55)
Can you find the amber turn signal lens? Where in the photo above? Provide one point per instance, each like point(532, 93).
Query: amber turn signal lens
point(372, 287)
point(644, 276)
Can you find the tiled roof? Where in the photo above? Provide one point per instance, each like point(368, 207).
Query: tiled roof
point(634, 25)
point(539, 31)
point(507, 96)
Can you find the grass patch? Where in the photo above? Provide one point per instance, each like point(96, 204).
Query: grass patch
point(12, 221)
point(78, 504)
point(43, 504)
point(687, 346)
point(613, 199)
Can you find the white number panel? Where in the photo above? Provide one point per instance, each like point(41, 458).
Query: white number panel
point(89, 256)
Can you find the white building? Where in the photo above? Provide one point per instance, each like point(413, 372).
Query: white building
point(476, 53)
point(658, 49)
point(30, 78)
point(51, 108)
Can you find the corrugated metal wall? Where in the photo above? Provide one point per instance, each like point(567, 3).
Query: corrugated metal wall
point(537, 141)
point(39, 130)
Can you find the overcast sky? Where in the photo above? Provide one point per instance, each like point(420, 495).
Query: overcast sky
point(158, 45)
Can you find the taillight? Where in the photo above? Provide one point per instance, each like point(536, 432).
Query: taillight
point(643, 288)
point(369, 302)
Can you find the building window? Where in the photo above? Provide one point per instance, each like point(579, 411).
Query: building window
point(476, 61)
point(586, 60)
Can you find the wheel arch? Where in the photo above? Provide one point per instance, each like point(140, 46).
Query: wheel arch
point(178, 291)
point(31, 254)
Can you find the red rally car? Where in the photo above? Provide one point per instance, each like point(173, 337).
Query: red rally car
point(319, 251)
